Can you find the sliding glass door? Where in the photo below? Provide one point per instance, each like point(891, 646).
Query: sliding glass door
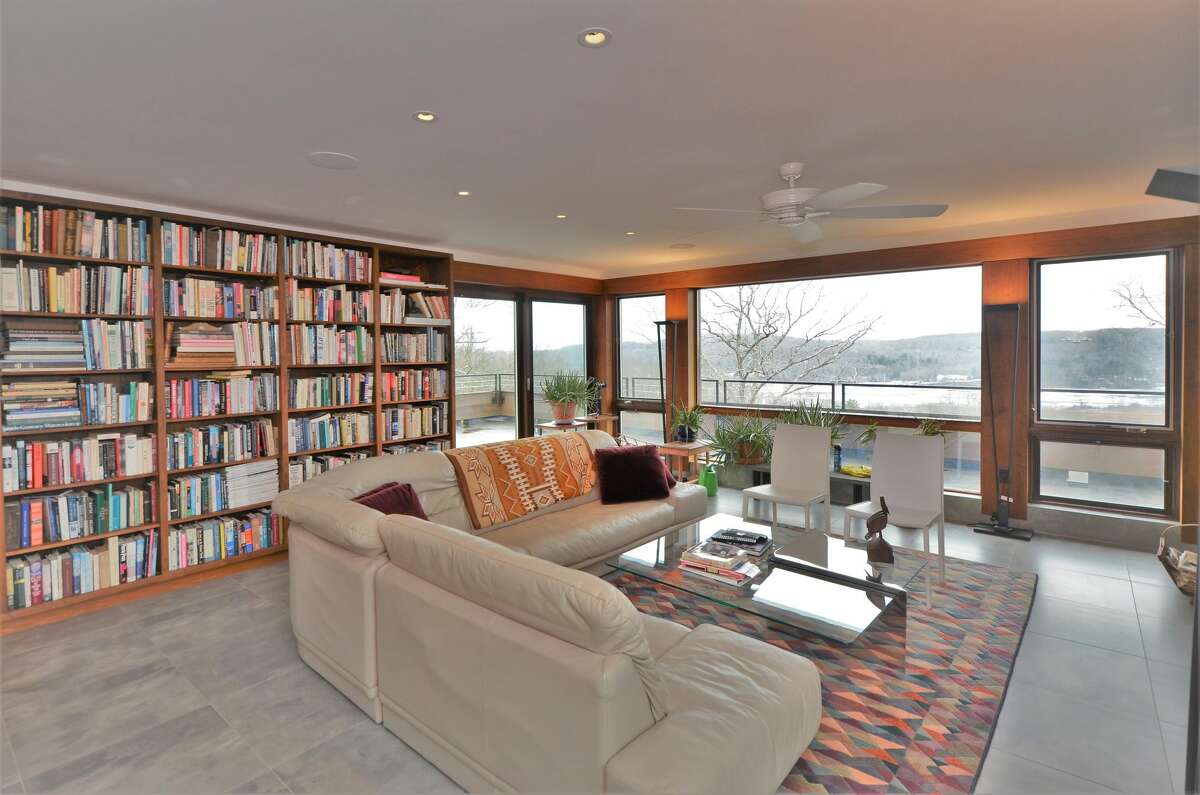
point(485, 370)
point(559, 334)
point(505, 345)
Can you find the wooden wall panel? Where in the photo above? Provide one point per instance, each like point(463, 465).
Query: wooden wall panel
point(1116, 238)
point(603, 348)
point(1007, 282)
point(1189, 481)
point(497, 276)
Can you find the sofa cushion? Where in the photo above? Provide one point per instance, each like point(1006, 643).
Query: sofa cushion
point(570, 605)
point(690, 502)
point(393, 498)
point(630, 474)
point(750, 699)
point(587, 532)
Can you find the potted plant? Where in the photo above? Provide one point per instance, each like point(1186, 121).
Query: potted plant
point(565, 392)
point(743, 439)
point(928, 427)
point(686, 422)
point(813, 415)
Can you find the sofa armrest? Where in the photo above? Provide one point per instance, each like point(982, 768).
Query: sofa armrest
point(329, 515)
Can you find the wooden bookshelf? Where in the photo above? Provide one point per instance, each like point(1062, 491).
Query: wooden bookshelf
point(435, 270)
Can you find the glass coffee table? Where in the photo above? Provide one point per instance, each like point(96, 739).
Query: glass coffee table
point(816, 583)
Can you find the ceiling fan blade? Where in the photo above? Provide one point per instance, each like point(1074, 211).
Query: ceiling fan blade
point(717, 210)
point(839, 197)
point(890, 211)
point(1176, 183)
point(806, 232)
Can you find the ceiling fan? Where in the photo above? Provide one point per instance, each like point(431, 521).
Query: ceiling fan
point(1176, 183)
point(795, 208)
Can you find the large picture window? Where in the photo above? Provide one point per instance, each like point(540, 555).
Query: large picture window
point(1104, 369)
point(640, 375)
point(897, 343)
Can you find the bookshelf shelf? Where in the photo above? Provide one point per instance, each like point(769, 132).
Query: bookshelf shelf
point(220, 417)
point(186, 319)
point(254, 506)
point(29, 372)
point(77, 428)
point(324, 450)
point(81, 540)
point(82, 484)
point(70, 258)
point(188, 269)
point(221, 465)
point(344, 407)
point(74, 315)
point(272, 248)
point(336, 282)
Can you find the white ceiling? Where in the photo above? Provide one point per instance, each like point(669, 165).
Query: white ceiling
point(1022, 115)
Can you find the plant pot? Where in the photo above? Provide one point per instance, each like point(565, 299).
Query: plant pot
point(563, 413)
point(747, 455)
point(685, 434)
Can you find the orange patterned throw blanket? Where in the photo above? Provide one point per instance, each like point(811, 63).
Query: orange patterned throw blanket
point(507, 480)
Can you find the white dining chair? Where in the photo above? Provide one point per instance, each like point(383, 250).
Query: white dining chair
point(799, 473)
point(907, 471)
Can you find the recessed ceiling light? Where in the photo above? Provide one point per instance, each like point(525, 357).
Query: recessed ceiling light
point(631, 234)
point(594, 37)
point(560, 216)
point(464, 193)
point(334, 160)
point(681, 246)
point(426, 116)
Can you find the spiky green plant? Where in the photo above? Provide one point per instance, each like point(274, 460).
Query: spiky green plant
point(869, 434)
point(690, 419)
point(928, 427)
point(570, 388)
point(813, 415)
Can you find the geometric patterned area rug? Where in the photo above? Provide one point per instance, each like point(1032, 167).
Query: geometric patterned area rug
point(906, 708)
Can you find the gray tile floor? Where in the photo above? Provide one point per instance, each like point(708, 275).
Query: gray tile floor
point(201, 690)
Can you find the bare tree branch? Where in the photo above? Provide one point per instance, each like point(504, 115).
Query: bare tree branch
point(1140, 305)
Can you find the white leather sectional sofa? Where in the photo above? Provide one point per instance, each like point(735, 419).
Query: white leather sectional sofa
point(512, 671)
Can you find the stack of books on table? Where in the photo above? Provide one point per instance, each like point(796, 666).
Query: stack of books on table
point(34, 343)
point(33, 405)
point(721, 562)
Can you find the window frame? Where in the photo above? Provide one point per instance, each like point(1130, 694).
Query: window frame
point(620, 402)
point(1163, 437)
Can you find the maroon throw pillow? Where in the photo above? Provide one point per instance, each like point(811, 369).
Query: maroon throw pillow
point(393, 498)
point(630, 474)
point(671, 481)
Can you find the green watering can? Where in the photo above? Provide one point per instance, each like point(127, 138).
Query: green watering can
point(708, 479)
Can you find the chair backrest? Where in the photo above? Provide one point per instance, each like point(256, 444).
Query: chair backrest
point(908, 470)
point(800, 458)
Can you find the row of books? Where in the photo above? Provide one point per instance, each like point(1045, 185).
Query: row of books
point(424, 384)
point(223, 489)
point(321, 431)
point(44, 343)
point(246, 344)
point(221, 537)
point(221, 443)
point(306, 467)
point(326, 261)
point(412, 422)
point(73, 232)
point(420, 447)
point(204, 298)
point(416, 347)
point(221, 393)
point(331, 345)
point(217, 248)
point(38, 464)
point(32, 521)
point(399, 306)
point(331, 390)
point(91, 290)
point(336, 304)
point(35, 579)
point(105, 402)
